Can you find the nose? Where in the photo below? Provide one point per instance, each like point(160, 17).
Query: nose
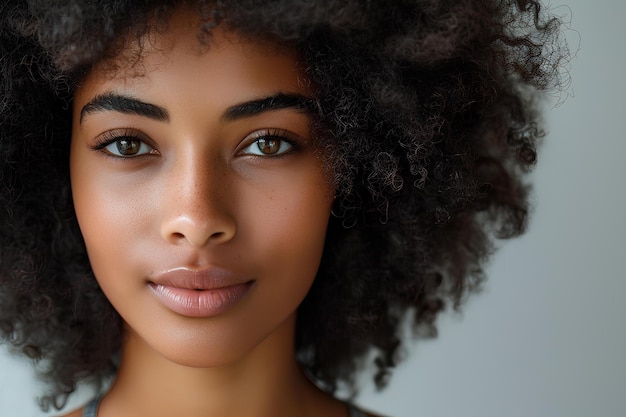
point(196, 204)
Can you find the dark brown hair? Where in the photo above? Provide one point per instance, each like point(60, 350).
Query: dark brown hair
point(426, 111)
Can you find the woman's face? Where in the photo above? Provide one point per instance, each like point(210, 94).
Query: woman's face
point(200, 192)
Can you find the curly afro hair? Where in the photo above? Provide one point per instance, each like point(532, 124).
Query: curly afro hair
point(428, 116)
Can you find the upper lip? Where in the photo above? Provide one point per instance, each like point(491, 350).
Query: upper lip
point(194, 279)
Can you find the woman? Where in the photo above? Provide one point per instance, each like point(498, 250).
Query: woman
point(260, 193)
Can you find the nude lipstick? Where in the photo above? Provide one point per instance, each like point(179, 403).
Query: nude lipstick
point(199, 293)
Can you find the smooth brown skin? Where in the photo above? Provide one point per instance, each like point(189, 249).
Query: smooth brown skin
point(197, 198)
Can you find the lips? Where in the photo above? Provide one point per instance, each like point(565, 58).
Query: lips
point(204, 293)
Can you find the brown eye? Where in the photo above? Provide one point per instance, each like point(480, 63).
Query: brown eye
point(268, 146)
point(128, 147)
point(124, 143)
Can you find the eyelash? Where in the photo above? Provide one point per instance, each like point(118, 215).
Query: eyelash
point(112, 136)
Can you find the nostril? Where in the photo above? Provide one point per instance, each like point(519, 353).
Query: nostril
point(217, 235)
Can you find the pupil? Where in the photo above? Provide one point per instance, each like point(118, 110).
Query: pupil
point(268, 146)
point(128, 146)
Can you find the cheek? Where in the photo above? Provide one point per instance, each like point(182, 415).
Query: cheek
point(111, 217)
point(286, 241)
point(290, 225)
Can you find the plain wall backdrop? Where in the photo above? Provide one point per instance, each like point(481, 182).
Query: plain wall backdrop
point(547, 335)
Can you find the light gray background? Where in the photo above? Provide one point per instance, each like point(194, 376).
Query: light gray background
point(546, 338)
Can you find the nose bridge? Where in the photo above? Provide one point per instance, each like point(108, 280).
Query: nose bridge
point(196, 200)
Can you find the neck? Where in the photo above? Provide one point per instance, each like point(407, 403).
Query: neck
point(265, 382)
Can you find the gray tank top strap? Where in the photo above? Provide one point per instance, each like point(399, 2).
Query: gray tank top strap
point(355, 412)
point(91, 409)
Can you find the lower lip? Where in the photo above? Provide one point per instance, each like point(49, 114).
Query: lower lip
point(200, 303)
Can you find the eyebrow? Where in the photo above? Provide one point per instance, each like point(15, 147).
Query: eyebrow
point(129, 105)
point(124, 104)
point(275, 102)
